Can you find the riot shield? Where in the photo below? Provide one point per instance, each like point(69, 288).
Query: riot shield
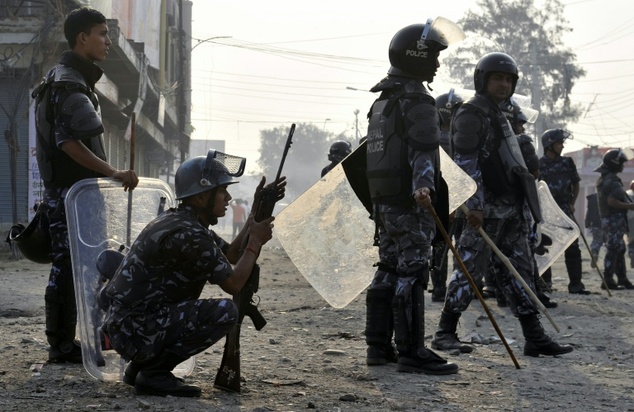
point(100, 218)
point(557, 225)
point(327, 232)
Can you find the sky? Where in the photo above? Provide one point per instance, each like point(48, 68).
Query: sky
point(266, 64)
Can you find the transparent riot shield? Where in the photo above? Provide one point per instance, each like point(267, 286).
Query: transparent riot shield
point(328, 234)
point(557, 225)
point(101, 216)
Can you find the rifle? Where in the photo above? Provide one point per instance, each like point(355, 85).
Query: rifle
point(228, 376)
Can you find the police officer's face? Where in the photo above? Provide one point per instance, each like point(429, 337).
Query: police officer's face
point(94, 46)
point(557, 147)
point(221, 201)
point(499, 86)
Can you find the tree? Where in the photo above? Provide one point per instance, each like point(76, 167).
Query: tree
point(307, 156)
point(533, 37)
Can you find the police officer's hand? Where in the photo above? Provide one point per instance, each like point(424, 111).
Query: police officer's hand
point(128, 178)
point(475, 218)
point(260, 232)
point(422, 197)
point(280, 189)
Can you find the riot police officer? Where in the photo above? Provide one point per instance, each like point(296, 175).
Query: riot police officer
point(338, 151)
point(402, 169)
point(560, 173)
point(486, 148)
point(156, 318)
point(70, 148)
point(613, 206)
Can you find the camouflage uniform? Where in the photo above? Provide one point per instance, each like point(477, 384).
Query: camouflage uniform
point(560, 174)
point(59, 173)
point(614, 222)
point(155, 305)
point(593, 224)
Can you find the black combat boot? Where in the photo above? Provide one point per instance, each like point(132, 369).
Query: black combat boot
point(379, 326)
point(157, 379)
point(573, 266)
point(537, 342)
point(624, 281)
point(423, 360)
point(438, 274)
point(609, 281)
point(446, 338)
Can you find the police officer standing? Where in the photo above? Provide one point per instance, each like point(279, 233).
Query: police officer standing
point(560, 174)
point(403, 171)
point(156, 318)
point(70, 148)
point(613, 206)
point(338, 151)
point(486, 148)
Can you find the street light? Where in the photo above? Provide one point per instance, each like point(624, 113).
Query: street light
point(209, 39)
point(327, 120)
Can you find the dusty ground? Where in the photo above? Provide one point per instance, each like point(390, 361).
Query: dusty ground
point(311, 356)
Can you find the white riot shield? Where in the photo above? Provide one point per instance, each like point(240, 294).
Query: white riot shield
point(557, 225)
point(99, 218)
point(327, 232)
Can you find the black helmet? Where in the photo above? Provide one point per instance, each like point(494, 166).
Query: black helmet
point(613, 160)
point(446, 103)
point(339, 150)
point(414, 49)
point(34, 241)
point(551, 136)
point(493, 63)
point(199, 174)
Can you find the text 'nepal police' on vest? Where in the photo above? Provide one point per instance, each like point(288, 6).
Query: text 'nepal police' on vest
point(156, 318)
point(486, 148)
point(403, 167)
point(613, 206)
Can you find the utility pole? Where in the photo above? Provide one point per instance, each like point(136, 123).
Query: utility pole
point(536, 92)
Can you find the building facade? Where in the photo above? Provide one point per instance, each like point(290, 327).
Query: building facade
point(147, 72)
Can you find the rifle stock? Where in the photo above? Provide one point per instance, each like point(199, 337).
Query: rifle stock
point(228, 376)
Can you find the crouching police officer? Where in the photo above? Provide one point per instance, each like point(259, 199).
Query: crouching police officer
point(156, 319)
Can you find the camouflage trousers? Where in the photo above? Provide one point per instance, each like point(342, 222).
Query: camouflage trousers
point(404, 248)
point(614, 227)
point(597, 240)
point(511, 236)
point(184, 329)
point(58, 229)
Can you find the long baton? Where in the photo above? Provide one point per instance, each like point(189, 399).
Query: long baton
point(514, 271)
point(594, 261)
point(472, 283)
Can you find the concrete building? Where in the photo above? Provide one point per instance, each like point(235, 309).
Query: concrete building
point(147, 72)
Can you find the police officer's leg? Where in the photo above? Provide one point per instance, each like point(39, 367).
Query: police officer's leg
point(614, 249)
point(59, 297)
point(412, 235)
point(379, 326)
point(190, 328)
point(475, 256)
point(573, 265)
point(513, 243)
point(438, 272)
point(621, 271)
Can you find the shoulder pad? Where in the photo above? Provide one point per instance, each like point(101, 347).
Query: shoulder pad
point(66, 74)
point(467, 125)
point(84, 119)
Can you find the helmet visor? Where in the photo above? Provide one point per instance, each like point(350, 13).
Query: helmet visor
point(442, 31)
point(626, 153)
